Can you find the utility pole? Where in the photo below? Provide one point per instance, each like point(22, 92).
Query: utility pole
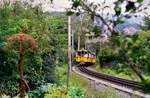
point(79, 33)
point(69, 43)
point(69, 50)
point(79, 38)
point(72, 39)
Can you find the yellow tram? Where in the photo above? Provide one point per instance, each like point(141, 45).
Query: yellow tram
point(85, 57)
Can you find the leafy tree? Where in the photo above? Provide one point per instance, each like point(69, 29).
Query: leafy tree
point(133, 51)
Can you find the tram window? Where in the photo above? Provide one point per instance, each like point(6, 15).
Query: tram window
point(85, 52)
point(82, 52)
point(79, 53)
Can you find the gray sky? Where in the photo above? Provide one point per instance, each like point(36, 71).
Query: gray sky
point(62, 5)
point(58, 5)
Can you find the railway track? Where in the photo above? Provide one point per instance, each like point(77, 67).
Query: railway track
point(115, 80)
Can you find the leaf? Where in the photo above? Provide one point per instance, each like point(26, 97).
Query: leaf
point(115, 34)
point(76, 3)
point(77, 14)
point(118, 11)
point(69, 13)
point(128, 43)
point(139, 1)
point(116, 40)
point(119, 21)
point(92, 16)
point(130, 6)
point(135, 37)
point(91, 4)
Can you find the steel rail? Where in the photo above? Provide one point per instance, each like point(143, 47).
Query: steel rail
point(119, 81)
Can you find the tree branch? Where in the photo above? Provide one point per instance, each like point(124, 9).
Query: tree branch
point(97, 15)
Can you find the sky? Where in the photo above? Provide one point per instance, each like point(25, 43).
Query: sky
point(58, 5)
point(62, 5)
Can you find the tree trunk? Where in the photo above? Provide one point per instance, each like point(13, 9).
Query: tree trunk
point(134, 68)
point(22, 85)
point(79, 38)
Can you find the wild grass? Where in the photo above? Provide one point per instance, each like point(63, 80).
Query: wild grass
point(125, 73)
point(84, 84)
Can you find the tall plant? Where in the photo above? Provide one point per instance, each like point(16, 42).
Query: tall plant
point(25, 43)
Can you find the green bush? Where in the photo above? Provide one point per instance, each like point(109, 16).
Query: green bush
point(76, 93)
point(62, 92)
point(146, 86)
point(54, 91)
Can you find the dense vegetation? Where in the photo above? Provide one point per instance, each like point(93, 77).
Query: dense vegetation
point(39, 66)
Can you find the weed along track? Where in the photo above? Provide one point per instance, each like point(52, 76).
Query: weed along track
point(115, 80)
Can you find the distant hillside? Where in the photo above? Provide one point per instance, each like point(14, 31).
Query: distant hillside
point(56, 13)
point(127, 28)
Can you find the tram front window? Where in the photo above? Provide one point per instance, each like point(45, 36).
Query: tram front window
point(79, 53)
